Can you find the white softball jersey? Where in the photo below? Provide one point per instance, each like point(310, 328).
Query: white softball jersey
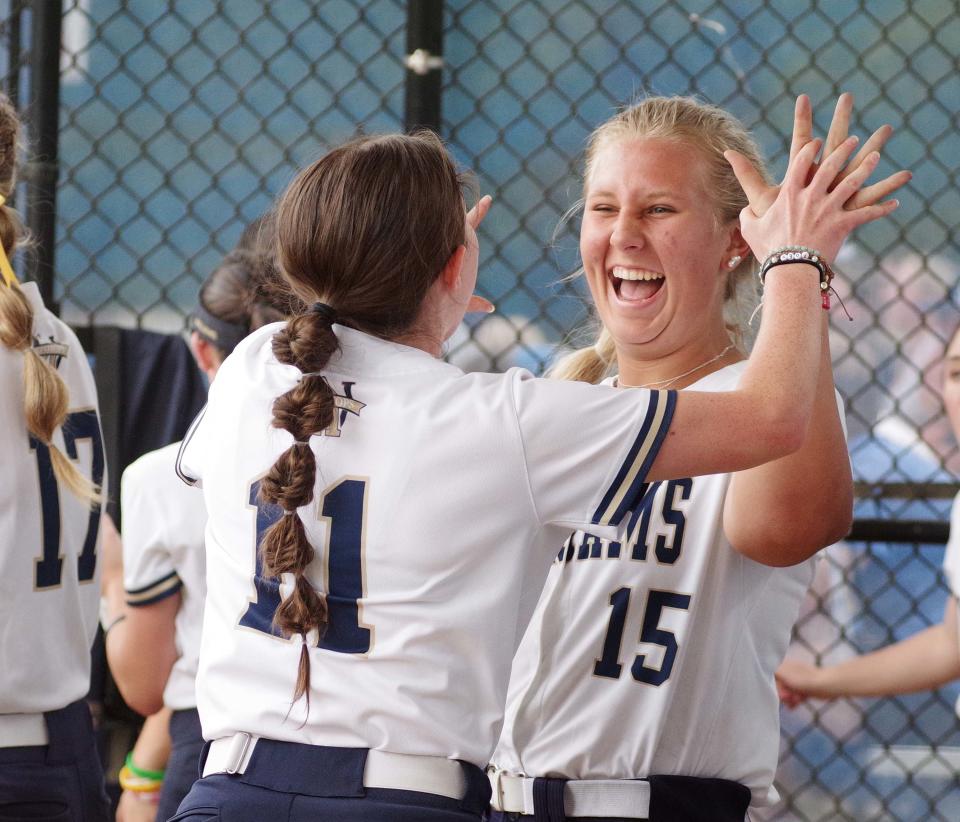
point(163, 554)
point(439, 503)
point(951, 558)
point(655, 654)
point(49, 539)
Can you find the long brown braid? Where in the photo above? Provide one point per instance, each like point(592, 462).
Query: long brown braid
point(362, 233)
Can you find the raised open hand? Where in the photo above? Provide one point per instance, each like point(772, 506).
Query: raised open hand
point(761, 194)
point(839, 130)
point(806, 211)
point(475, 216)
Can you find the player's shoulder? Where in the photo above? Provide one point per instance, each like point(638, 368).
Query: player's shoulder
point(152, 487)
point(513, 387)
point(256, 347)
point(251, 364)
point(153, 466)
point(528, 387)
point(723, 379)
point(51, 334)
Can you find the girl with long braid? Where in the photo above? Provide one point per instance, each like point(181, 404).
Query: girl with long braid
point(380, 523)
point(53, 470)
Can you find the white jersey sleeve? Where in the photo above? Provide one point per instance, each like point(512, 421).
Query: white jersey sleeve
point(49, 539)
point(583, 472)
point(163, 525)
point(951, 559)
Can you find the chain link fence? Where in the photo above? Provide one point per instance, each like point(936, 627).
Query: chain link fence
point(179, 123)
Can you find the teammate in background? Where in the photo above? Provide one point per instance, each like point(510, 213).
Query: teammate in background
point(155, 594)
point(53, 470)
point(355, 666)
point(650, 659)
point(926, 660)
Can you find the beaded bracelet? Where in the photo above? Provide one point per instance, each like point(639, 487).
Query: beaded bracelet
point(788, 255)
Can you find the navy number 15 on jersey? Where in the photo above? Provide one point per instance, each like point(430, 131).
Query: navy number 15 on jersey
point(609, 663)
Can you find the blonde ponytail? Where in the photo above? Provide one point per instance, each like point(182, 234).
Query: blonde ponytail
point(46, 398)
point(590, 364)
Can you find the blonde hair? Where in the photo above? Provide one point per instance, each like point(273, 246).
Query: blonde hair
point(46, 398)
point(711, 131)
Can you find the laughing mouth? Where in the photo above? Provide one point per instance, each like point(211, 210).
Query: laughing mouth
point(635, 284)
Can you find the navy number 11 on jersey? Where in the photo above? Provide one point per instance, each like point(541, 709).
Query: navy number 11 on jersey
point(342, 505)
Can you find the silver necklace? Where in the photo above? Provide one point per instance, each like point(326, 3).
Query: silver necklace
point(660, 384)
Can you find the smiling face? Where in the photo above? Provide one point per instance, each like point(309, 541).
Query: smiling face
point(654, 254)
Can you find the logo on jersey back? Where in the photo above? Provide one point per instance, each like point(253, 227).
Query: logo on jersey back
point(52, 351)
point(347, 405)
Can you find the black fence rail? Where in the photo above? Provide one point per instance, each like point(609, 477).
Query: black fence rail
point(159, 130)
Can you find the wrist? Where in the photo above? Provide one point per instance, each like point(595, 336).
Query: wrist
point(153, 774)
point(144, 783)
point(145, 797)
point(821, 683)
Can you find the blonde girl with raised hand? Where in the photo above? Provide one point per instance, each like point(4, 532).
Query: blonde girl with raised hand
point(643, 687)
point(52, 473)
point(924, 661)
point(362, 494)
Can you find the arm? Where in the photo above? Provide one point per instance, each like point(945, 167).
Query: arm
point(151, 752)
point(140, 647)
point(760, 513)
point(783, 512)
point(924, 661)
point(767, 416)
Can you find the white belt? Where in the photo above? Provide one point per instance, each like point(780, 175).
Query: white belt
point(21, 730)
point(404, 772)
point(618, 798)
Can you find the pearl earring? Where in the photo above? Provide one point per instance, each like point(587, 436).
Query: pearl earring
point(734, 261)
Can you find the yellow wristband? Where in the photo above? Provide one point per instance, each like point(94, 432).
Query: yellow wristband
point(129, 781)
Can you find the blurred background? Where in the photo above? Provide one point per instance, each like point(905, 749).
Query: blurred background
point(158, 130)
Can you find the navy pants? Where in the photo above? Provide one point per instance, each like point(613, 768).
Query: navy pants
point(183, 766)
point(58, 782)
point(672, 799)
point(290, 782)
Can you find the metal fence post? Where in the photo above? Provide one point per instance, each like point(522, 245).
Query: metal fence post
point(40, 172)
point(424, 63)
point(14, 52)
